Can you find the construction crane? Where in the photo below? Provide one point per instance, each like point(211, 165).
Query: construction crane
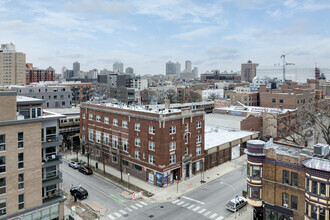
point(284, 64)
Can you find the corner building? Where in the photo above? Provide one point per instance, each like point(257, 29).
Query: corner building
point(287, 181)
point(158, 146)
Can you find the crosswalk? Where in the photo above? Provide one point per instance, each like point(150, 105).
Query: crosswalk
point(198, 209)
point(128, 209)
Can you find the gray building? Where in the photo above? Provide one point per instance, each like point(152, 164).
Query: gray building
point(76, 68)
point(112, 80)
point(53, 96)
point(118, 67)
point(129, 70)
point(123, 94)
point(173, 68)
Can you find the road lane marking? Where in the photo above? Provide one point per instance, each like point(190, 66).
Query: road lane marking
point(117, 214)
point(213, 216)
point(176, 201)
point(196, 208)
point(180, 202)
point(138, 205)
point(122, 211)
point(111, 217)
point(186, 204)
point(133, 207)
point(220, 218)
point(207, 213)
point(201, 211)
point(143, 203)
point(129, 209)
point(117, 198)
point(192, 206)
point(194, 200)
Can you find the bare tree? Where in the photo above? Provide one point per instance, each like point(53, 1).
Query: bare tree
point(171, 95)
point(195, 96)
point(212, 96)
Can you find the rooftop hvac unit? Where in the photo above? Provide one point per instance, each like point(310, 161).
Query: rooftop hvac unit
point(321, 150)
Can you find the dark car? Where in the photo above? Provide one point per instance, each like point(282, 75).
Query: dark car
point(79, 192)
point(85, 170)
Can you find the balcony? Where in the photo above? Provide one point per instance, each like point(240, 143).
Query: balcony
point(51, 160)
point(69, 129)
point(51, 141)
point(52, 180)
point(54, 197)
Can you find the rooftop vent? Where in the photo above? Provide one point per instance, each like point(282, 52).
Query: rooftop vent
point(321, 150)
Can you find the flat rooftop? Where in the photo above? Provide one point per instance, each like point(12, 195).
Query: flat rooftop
point(288, 150)
point(177, 105)
point(223, 120)
point(255, 109)
point(25, 99)
point(65, 111)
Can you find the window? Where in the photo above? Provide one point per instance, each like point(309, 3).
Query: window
point(20, 201)
point(186, 127)
point(2, 185)
point(137, 155)
point(124, 124)
point(273, 100)
point(90, 117)
point(98, 137)
point(106, 120)
point(51, 172)
point(83, 115)
point(198, 151)
point(285, 176)
point(20, 160)
point(115, 122)
point(186, 139)
point(255, 192)
point(151, 130)
point(137, 167)
point(137, 142)
point(98, 118)
point(115, 142)
point(314, 187)
point(294, 179)
point(199, 124)
point(314, 212)
point(285, 200)
point(294, 202)
point(322, 189)
point(20, 140)
point(198, 139)
point(106, 139)
point(172, 159)
point(172, 145)
point(151, 145)
point(307, 185)
point(281, 100)
point(306, 208)
point(114, 159)
point(256, 171)
point(186, 151)
point(3, 206)
point(322, 213)
point(248, 169)
point(2, 142)
point(172, 129)
point(151, 159)
point(124, 144)
point(90, 134)
point(21, 181)
point(125, 162)
point(137, 127)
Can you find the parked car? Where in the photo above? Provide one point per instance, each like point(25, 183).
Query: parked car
point(85, 170)
point(240, 202)
point(74, 164)
point(79, 192)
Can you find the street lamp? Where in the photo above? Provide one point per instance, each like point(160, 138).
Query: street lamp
point(234, 192)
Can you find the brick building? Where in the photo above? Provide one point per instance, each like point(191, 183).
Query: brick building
point(34, 74)
point(248, 71)
point(154, 145)
point(249, 98)
point(288, 181)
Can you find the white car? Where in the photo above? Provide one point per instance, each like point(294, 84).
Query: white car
point(240, 202)
point(74, 164)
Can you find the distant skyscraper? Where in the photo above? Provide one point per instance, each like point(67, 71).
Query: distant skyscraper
point(129, 70)
point(118, 67)
point(178, 68)
point(170, 68)
point(248, 71)
point(188, 66)
point(195, 72)
point(12, 66)
point(76, 68)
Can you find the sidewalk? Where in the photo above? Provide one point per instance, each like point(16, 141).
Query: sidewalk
point(170, 192)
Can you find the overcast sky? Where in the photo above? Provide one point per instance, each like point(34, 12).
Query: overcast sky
point(146, 34)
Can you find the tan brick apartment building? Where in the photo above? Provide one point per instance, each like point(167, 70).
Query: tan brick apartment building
point(288, 181)
point(154, 145)
point(248, 99)
point(29, 162)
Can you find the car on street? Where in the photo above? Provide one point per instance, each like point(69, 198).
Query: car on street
point(79, 192)
point(85, 170)
point(240, 202)
point(74, 164)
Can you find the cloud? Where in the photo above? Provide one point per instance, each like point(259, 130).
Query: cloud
point(198, 33)
point(222, 50)
point(97, 7)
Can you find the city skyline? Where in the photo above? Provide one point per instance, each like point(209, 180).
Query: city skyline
point(146, 34)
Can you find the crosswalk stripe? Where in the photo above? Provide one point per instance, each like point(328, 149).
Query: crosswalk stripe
point(129, 209)
point(207, 213)
point(220, 218)
point(213, 216)
point(186, 204)
point(196, 208)
point(192, 206)
point(180, 202)
point(143, 203)
point(117, 214)
point(122, 211)
point(138, 205)
point(134, 207)
point(111, 217)
point(176, 201)
point(201, 211)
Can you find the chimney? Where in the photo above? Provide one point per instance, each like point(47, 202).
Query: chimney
point(167, 104)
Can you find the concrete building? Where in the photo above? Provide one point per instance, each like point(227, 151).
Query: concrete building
point(129, 70)
point(52, 96)
point(12, 66)
point(248, 71)
point(76, 69)
point(208, 94)
point(155, 146)
point(123, 94)
point(288, 181)
point(30, 177)
point(34, 74)
point(173, 69)
point(118, 68)
point(112, 80)
point(216, 75)
point(92, 74)
point(188, 67)
point(264, 81)
point(195, 72)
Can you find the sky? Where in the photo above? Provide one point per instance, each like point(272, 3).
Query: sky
point(145, 34)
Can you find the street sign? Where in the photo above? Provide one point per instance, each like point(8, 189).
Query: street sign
point(177, 181)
